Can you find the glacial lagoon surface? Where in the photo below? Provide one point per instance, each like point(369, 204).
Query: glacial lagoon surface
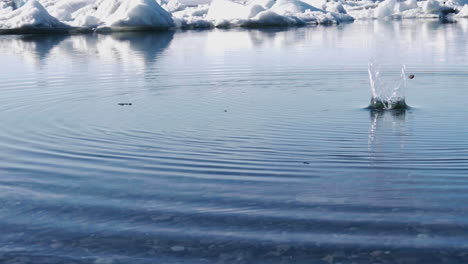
point(235, 146)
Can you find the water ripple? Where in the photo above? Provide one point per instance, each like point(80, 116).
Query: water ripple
point(258, 154)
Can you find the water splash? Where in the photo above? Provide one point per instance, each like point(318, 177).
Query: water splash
point(387, 93)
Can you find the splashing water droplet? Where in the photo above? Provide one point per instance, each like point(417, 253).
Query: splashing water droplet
point(387, 93)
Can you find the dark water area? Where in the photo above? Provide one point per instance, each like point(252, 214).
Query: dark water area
point(239, 146)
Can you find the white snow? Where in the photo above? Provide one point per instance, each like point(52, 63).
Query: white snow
point(166, 14)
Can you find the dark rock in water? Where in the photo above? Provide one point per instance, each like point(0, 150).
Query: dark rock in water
point(411, 76)
point(124, 104)
point(225, 111)
point(305, 162)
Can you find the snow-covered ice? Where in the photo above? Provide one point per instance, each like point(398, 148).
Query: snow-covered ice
point(31, 14)
point(104, 15)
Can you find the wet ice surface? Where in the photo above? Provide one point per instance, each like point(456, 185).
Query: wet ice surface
point(239, 146)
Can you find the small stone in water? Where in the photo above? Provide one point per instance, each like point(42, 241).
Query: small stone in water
point(411, 76)
point(225, 111)
point(177, 248)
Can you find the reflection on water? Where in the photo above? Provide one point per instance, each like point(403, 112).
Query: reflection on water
point(387, 134)
point(129, 49)
point(399, 41)
point(38, 45)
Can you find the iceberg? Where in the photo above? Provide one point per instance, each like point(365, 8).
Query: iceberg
point(463, 12)
point(29, 16)
point(86, 15)
point(123, 14)
point(225, 13)
point(192, 17)
point(394, 9)
point(129, 15)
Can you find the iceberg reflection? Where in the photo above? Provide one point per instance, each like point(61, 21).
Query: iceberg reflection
point(136, 50)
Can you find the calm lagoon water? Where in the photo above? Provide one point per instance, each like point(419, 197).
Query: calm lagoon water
point(240, 146)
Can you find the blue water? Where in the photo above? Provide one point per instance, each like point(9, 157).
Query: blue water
point(239, 146)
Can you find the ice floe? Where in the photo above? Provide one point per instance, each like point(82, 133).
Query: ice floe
point(463, 12)
point(118, 15)
point(30, 15)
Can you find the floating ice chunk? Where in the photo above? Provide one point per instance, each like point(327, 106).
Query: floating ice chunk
point(199, 11)
point(408, 9)
point(306, 13)
point(267, 4)
point(225, 10)
point(30, 15)
point(317, 3)
point(463, 12)
point(173, 6)
point(270, 18)
point(327, 5)
point(407, 5)
point(436, 8)
point(192, 17)
point(255, 9)
point(385, 9)
point(459, 3)
point(5, 7)
point(360, 10)
point(18, 3)
point(225, 13)
point(124, 14)
point(63, 10)
point(324, 17)
point(11, 4)
point(431, 7)
point(335, 7)
point(164, 14)
point(293, 7)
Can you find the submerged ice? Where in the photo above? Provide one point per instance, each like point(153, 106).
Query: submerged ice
point(165, 14)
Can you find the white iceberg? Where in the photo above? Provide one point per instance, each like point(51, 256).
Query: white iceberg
point(225, 13)
point(30, 15)
point(463, 12)
point(122, 15)
point(394, 9)
point(88, 14)
point(192, 17)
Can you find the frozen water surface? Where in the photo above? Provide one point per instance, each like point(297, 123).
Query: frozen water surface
point(234, 146)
